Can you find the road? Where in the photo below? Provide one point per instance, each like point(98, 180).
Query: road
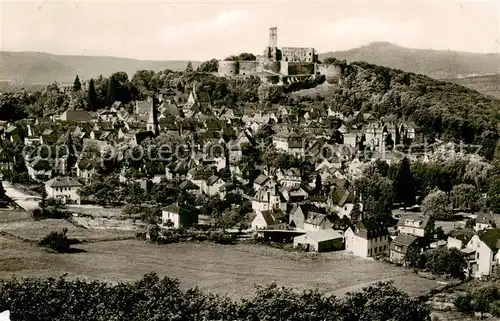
point(27, 202)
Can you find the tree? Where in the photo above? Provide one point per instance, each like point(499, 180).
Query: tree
point(404, 185)
point(57, 241)
point(465, 196)
point(329, 60)
point(189, 67)
point(380, 302)
point(270, 93)
point(446, 261)
point(414, 258)
point(92, 101)
point(3, 193)
point(483, 297)
point(112, 92)
point(211, 65)
point(436, 205)
point(77, 85)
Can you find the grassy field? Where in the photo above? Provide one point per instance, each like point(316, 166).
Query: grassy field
point(7, 215)
point(231, 270)
point(36, 230)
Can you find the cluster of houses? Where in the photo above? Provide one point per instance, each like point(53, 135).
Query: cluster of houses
point(283, 200)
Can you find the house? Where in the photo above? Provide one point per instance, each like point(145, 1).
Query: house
point(63, 188)
point(39, 168)
point(400, 246)
point(268, 198)
point(301, 212)
point(178, 216)
point(260, 181)
point(319, 241)
point(485, 245)
point(273, 219)
point(213, 185)
point(289, 177)
point(483, 221)
point(416, 224)
point(294, 194)
point(189, 187)
point(367, 239)
point(86, 169)
point(317, 221)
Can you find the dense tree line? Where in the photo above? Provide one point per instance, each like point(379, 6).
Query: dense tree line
point(443, 110)
point(152, 298)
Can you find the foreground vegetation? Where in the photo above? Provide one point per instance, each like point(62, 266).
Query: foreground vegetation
point(152, 298)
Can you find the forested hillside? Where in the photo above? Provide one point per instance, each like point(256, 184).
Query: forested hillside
point(444, 110)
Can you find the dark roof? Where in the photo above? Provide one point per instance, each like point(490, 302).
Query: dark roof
point(423, 219)
point(63, 182)
point(180, 208)
point(490, 237)
point(315, 218)
point(484, 218)
point(261, 179)
point(369, 229)
point(76, 115)
point(188, 185)
point(405, 240)
point(273, 217)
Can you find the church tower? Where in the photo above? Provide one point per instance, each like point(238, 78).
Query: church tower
point(152, 124)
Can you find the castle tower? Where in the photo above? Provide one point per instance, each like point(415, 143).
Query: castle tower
point(273, 37)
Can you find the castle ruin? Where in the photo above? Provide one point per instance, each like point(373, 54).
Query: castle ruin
point(287, 64)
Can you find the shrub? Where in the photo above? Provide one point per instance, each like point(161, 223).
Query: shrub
point(56, 241)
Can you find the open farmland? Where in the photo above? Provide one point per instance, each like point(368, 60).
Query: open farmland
point(36, 230)
point(231, 270)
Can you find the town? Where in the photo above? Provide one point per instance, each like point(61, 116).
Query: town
point(258, 150)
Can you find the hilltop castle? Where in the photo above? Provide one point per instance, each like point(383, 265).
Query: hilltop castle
point(286, 63)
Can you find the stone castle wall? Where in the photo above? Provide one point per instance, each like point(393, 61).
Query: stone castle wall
point(228, 68)
point(249, 67)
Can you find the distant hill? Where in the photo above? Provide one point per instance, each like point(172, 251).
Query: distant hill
point(438, 64)
point(44, 68)
point(488, 85)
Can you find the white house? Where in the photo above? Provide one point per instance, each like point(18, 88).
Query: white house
point(317, 222)
point(179, 215)
point(63, 188)
point(213, 185)
point(269, 220)
point(485, 247)
point(289, 177)
point(416, 225)
point(483, 221)
point(367, 240)
point(267, 199)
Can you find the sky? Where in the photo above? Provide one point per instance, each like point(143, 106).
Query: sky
point(200, 30)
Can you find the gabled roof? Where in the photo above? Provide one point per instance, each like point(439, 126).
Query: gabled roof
point(65, 181)
point(404, 240)
point(212, 180)
point(324, 235)
point(273, 217)
point(76, 115)
point(203, 97)
point(484, 218)
point(315, 218)
point(261, 179)
point(181, 209)
point(188, 185)
point(423, 220)
point(369, 230)
point(491, 238)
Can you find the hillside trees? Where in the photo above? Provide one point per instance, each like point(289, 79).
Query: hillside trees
point(404, 185)
point(211, 65)
point(437, 206)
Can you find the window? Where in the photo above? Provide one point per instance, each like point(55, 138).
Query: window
point(380, 249)
point(375, 250)
point(384, 247)
point(477, 256)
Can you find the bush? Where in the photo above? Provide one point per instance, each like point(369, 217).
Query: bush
point(54, 212)
point(57, 241)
